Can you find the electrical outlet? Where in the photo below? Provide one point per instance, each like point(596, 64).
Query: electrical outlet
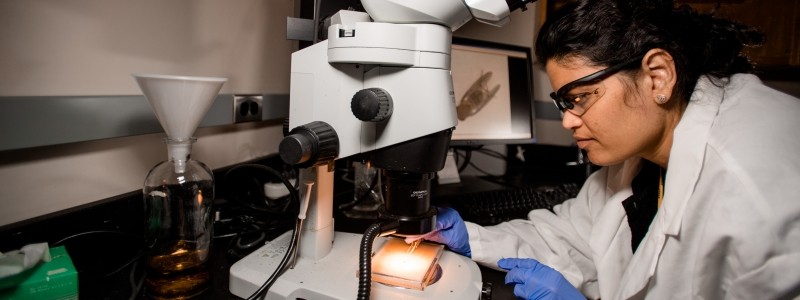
point(247, 108)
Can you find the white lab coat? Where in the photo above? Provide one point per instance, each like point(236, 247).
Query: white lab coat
point(728, 226)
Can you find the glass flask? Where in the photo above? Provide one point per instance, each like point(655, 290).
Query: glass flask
point(367, 198)
point(178, 225)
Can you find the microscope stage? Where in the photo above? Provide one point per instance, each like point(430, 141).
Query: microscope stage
point(335, 275)
point(398, 264)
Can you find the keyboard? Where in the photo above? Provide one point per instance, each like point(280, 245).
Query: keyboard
point(496, 206)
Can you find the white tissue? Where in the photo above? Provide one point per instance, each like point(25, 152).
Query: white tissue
point(17, 261)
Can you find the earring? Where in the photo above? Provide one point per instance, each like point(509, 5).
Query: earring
point(661, 99)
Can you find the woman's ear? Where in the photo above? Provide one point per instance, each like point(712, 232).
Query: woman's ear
point(660, 75)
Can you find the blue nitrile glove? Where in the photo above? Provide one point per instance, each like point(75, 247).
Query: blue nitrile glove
point(449, 230)
point(535, 280)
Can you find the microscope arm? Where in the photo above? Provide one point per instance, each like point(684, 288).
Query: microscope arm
point(381, 84)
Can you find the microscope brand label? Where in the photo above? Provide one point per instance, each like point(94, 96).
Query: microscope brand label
point(419, 194)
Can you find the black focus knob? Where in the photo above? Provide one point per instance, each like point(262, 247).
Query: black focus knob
point(372, 105)
point(313, 144)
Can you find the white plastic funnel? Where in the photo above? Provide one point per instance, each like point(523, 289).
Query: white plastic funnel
point(180, 103)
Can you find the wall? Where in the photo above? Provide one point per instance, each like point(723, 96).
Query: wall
point(787, 86)
point(87, 47)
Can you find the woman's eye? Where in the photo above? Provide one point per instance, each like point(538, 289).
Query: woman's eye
point(579, 98)
point(583, 97)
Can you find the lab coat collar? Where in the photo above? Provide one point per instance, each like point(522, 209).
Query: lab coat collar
point(688, 152)
point(686, 161)
point(610, 249)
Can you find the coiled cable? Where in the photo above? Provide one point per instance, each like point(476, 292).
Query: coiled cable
point(365, 255)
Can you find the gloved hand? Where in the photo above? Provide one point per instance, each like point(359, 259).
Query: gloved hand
point(535, 280)
point(449, 230)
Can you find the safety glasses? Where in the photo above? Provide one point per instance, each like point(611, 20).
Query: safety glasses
point(577, 101)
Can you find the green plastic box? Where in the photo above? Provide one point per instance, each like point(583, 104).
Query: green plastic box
point(56, 279)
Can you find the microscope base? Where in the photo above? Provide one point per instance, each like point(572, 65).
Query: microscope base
point(335, 275)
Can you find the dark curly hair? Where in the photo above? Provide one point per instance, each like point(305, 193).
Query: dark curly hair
point(608, 32)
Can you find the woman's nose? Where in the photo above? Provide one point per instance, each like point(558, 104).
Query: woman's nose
point(570, 121)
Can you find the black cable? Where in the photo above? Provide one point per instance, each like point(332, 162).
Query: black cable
point(133, 259)
point(467, 158)
point(252, 187)
point(365, 256)
point(364, 196)
point(288, 256)
point(365, 261)
point(493, 153)
point(344, 178)
point(259, 228)
point(275, 208)
point(296, 181)
point(261, 291)
point(262, 235)
point(135, 286)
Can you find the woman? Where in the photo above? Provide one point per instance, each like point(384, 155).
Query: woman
point(699, 196)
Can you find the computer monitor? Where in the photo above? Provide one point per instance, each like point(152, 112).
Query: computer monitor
point(493, 92)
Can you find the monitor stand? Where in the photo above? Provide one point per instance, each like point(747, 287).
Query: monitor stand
point(449, 174)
